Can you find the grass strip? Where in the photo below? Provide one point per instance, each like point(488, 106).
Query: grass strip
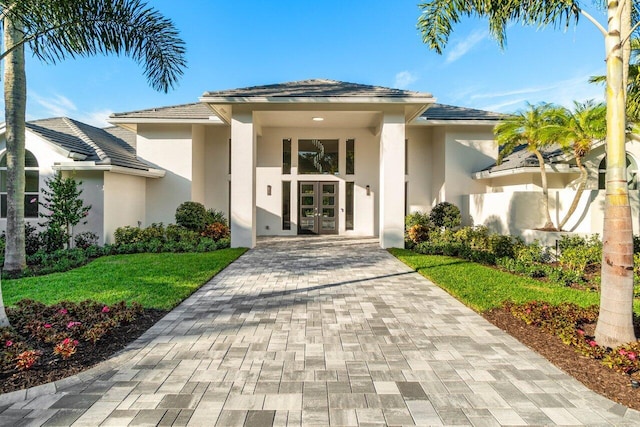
point(483, 288)
point(159, 281)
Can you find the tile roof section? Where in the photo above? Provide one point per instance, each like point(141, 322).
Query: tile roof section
point(99, 145)
point(450, 112)
point(196, 110)
point(316, 88)
point(521, 158)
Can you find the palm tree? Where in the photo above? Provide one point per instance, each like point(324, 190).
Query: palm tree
point(615, 322)
point(531, 127)
point(59, 29)
point(580, 128)
point(633, 82)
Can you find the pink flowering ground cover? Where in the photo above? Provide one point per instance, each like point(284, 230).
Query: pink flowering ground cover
point(47, 343)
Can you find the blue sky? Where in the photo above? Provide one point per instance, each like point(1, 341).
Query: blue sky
point(254, 42)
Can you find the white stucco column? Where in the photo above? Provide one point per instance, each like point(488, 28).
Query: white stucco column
point(243, 181)
point(391, 198)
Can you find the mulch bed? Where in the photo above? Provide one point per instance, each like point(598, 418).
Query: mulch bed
point(590, 372)
point(52, 367)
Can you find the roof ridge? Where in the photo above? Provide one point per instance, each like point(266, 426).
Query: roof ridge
point(86, 139)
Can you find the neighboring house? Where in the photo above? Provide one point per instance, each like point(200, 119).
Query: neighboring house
point(305, 157)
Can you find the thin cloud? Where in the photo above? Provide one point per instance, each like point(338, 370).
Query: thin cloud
point(462, 47)
point(61, 106)
point(54, 106)
point(404, 79)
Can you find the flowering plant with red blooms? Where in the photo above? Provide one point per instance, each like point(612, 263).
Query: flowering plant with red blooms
point(27, 359)
point(66, 348)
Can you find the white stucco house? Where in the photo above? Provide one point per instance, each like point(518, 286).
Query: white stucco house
point(304, 157)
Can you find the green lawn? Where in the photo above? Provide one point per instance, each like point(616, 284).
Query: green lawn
point(154, 280)
point(482, 288)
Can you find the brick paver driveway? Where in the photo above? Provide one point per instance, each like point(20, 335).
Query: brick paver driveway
point(310, 331)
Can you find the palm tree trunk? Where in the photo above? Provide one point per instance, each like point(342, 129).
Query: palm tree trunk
point(576, 198)
point(4, 320)
point(615, 322)
point(545, 192)
point(15, 98)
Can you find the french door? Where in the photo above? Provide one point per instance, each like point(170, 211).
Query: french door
point(318, 203)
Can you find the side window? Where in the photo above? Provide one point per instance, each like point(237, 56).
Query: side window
point(31, 188)
point(632, 173)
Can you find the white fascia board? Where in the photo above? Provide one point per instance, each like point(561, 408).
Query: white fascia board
point(91, 166)
point(528, 169)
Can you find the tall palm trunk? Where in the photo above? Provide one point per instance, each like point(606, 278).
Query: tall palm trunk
point(545, 191)
point(615, 322)
point(584, 175)
point(4, 320)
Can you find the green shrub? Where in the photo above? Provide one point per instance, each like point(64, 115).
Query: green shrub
point(31, 239)
point(85, 239)
point(192, 216)
point(445, 215)
point(214, 216)
point(52, 238)
point(578, 253)
point(502, 246)
point(532, 253)
point(178, 233)
point(127, 235)
point(153, 232)
point(476, 237)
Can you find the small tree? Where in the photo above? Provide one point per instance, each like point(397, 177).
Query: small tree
point(64, 207)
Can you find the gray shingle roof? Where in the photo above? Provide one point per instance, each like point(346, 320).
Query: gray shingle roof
point(450, 112)
point(521, 157)
point(196, 110)
point(316, 88)
point(99, 145)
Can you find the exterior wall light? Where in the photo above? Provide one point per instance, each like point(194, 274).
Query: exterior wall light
point(368, 187)
point(268, 190)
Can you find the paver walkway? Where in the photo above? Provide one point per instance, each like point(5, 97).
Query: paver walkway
point(319, 332)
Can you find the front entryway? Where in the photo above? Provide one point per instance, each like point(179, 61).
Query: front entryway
point(318, 213)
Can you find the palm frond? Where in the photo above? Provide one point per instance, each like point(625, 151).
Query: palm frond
point(59, 29)
point(438, 16)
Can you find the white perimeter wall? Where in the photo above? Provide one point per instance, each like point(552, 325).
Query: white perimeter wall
point(519, 212)
point(269, 172)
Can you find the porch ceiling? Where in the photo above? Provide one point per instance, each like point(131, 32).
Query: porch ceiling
point(331, 119)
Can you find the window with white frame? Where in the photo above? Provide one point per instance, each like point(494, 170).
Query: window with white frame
point(31, 186)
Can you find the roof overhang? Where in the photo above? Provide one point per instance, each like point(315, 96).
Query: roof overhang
point(550, 169)
point(424, 121)
point(92, 166)
point(413, 107)
point(131, 122)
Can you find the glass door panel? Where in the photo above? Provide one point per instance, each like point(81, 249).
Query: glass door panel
point(318, 208)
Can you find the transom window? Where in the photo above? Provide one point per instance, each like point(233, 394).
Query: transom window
point(318, 156)
point(31, 188)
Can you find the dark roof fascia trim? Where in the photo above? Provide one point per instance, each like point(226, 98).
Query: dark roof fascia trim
point(463, 122)
point(522, 170)
point(316, 100)
point(180, 121)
